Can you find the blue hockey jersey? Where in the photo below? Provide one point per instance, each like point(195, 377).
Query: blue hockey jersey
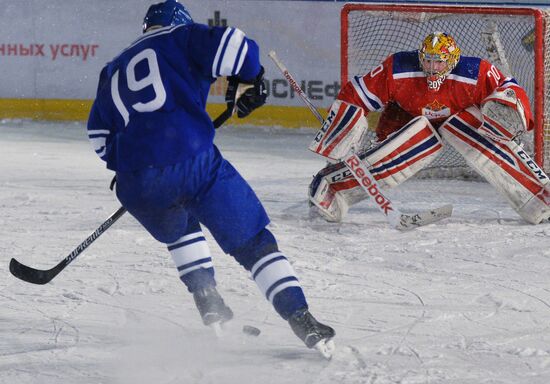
point(150, 105)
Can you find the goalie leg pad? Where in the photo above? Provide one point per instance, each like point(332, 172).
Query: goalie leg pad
point(506, 166)
point(343, 129)
point(393, 161)
point(404, 153)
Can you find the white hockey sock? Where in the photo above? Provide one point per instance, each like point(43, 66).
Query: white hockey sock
point(273, 273)
point(190, 253)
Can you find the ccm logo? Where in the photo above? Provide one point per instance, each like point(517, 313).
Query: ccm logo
point(531, 164)
point(356, 167)
point(324, 128)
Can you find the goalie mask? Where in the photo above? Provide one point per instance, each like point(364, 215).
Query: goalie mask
point(438, 56)
point(167, 13)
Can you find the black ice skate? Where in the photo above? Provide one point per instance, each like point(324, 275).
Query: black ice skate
point(211, 307)
point(312, 333)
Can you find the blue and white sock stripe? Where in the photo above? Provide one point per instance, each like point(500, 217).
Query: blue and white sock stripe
point(98, 138)
point(273, 273)
point(280, 285)
point(230, 54)
point(191, 252)
point(190, 267)
point(371, 101)
point(186, 240)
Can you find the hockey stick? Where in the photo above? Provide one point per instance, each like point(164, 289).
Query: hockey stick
point(359, 170)
point(222, 118)
point(40, 276)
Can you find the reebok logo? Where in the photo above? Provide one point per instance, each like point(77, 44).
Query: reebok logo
point(358, 169)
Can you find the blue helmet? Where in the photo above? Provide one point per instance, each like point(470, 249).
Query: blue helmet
point(164, 14)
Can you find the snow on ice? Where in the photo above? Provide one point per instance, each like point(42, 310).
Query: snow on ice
point(462, 301)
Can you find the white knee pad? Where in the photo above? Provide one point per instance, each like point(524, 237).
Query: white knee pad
point(404, 153)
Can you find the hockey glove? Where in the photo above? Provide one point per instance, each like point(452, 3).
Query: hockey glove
point(254, 95)
point(503, 116)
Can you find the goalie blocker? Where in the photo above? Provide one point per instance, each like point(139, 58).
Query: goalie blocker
point(393, 161)
point(341, 131)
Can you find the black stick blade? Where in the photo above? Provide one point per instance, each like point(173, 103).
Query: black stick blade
point(31, 275)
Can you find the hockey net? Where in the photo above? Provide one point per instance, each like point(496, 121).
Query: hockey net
point(513, 39)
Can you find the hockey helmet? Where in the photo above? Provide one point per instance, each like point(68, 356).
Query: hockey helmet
point(169, 12)
point(438, 56)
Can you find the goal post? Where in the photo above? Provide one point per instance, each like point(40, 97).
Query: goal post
point(512, 38)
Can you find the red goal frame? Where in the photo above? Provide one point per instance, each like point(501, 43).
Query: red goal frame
point(539, 49)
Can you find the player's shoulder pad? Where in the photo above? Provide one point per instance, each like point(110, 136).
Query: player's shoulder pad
point(404, 62)
point(205, 32)
point(468, 67)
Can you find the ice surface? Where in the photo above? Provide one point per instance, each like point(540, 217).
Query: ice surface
point(463, 301)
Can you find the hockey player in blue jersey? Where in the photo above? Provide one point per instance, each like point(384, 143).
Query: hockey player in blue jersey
point(149, 124)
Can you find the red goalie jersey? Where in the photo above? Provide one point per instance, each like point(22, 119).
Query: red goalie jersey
point(398, 87)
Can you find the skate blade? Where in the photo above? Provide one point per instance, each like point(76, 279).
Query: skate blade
point(326, 348)
point(217, 328)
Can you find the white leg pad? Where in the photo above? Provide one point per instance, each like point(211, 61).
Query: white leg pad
point(506, 166)
point(404, 153)
point(391, 162)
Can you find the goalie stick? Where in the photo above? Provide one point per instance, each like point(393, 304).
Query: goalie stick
point(359, 170)
point(41, 276)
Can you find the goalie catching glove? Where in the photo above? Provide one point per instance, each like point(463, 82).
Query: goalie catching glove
point(243, 96)
point(503, 116)
point(343, 129)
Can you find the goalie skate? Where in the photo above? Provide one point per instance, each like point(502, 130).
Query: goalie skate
point(314, 334)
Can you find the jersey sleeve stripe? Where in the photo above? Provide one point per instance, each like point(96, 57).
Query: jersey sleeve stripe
point(98, 139)
point(368, 98)
point(229, 54)
point(219, 53)
point(101, 151)
point(508, 82)
point(98, 132)
point(243, 49)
